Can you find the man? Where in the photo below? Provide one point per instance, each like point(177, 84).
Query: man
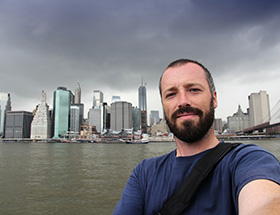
point(245, 182)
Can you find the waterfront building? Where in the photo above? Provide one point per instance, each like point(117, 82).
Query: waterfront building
point(95, 119)
point(5, 105)
point(121, 116)
point(259, 108)
point(238, 121)
point(154, 117)
point(77, 98)
point(97, 99)
point(142, 103)
point(41, 123)
point(18, 124)
point(61, 111)
point(136, 118)
point(76, 119)
point(160, 128)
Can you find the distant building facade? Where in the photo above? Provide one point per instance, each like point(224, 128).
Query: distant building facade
point(218, 125)
point(78, 92)
point(61, 111)
point(160, 128)
point(41, 123)
point(238, 121)
point(121, 116)
point(97, 99)
point(18, 124)
point(95, 118)
point(154, 117)
point(76, 119)
point(136, 118)
point(259, 108)
point(5, 105)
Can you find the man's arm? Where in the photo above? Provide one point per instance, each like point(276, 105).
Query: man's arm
point(259, 197)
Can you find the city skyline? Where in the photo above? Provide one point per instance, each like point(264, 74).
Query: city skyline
point(110, 45)
point(134, 104)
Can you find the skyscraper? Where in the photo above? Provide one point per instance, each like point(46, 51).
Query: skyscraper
point(5, 105)
point(154, 117)
point(41, 123)
point(77, 99)
point(259, 109)
point(76, 119)
point(97, 99)
point(61, 108)
point(121, 116)
point(142, 102)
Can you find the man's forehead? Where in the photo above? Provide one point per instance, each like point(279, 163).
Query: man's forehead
point(190, 70)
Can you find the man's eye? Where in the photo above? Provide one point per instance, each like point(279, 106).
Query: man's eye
point(170, 95)
point(194, 90)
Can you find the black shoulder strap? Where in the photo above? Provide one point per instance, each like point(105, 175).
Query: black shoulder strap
point(180, 200)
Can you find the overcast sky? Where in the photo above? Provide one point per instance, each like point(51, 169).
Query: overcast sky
point(109, 45)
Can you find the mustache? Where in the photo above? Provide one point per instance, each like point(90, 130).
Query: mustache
point(187, 109)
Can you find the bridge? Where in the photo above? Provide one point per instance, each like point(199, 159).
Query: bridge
point(272, 127)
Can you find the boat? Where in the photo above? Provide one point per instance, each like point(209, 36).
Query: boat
point(143, 141)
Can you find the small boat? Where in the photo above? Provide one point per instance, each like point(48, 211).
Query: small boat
point(137, 141)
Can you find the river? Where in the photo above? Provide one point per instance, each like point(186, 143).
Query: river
point(71, 178)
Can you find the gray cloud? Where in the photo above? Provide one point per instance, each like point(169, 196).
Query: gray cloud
point(109, 45)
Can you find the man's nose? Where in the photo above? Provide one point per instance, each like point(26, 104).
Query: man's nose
point(183, 100)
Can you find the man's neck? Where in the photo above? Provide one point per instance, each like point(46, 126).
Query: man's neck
point(188, 149)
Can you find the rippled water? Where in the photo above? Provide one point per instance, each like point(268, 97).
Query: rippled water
point(63, 178)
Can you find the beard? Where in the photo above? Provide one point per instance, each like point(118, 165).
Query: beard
point(190, 132)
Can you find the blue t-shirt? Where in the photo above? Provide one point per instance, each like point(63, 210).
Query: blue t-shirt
point(154, 180)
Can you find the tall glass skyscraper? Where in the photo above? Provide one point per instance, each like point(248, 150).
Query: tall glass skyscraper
point(142, 100)
point(5, 105)
point(61, 108)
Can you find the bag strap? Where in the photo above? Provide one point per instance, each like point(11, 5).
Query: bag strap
point(180, 200)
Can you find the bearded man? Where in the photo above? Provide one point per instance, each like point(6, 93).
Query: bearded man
point(246, 181)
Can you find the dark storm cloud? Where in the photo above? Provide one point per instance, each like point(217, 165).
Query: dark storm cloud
point(111, 44)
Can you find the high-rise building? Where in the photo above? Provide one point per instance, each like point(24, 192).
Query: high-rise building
point(41, 123)
point(142, 102)
point(61, 108)
point(95, 119)
point(136, 118)
point(121, 116)
point(18, 124)
point(154, 117)
point(97, 99)
point(76, 119)
point(77, 99)
point(5, 105)
point(259, 109)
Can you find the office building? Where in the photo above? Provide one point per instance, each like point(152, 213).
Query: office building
point(97, 99)
point(142, 102)
point(41, 123)
point(95, 119)
point(76, 119)
point(136, 118)
point(61, 111)
point(5, 105)
point(18, 124)
point(218, 125)
point(259, 108)
point(77, 98)
point(121, 116)
point(154, 117)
